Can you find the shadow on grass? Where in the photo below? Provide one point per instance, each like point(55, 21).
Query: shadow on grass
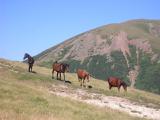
point(66, 81)
point(34, 72)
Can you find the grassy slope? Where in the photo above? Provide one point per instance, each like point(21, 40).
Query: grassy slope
point(25, 96)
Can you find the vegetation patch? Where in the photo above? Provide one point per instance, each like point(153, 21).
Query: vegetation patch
point(148, 78)
point(47, 64)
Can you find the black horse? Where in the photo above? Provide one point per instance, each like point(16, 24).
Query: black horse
point(30, 61)
point(59, 68)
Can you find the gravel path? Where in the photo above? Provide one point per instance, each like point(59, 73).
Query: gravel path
point(102, 100)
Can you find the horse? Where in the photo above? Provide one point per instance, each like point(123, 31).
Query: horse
point(59, 68)
point(82, 75)
point(30, 61)
point(116, 82)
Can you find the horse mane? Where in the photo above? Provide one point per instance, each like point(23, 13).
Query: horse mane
point(30, 58)
point(27, 54)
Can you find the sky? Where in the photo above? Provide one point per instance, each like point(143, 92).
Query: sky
point(32, 26)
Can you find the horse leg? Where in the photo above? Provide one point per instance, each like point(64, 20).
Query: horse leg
point(60, 76)
point(110, 86)
point(53, 74)
point(80, 80)
point(119, 88)
point(83, 83)
point(29, 68)
point(125, 89)
point(57, 75)
point(32, 65)
point(64, 77)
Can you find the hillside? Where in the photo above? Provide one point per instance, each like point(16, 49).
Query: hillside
point(35, 96)
point(129, 50)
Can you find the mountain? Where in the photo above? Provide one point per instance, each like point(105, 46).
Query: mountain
point(129, 50)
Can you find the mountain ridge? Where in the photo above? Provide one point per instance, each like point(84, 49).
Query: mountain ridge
point(96, 29)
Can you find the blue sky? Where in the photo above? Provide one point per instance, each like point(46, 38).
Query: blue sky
point(35, 25)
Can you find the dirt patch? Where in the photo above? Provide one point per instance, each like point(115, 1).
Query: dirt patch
point(101, 100)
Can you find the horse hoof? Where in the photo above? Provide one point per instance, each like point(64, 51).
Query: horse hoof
point(89, 86)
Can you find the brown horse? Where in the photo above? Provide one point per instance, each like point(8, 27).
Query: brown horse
point(82, 75)
point(59, 68)
point(116, 82)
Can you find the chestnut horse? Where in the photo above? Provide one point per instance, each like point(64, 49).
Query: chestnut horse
point(116, 82)
point(30, 61)
point(59, 68)
point(82, 75)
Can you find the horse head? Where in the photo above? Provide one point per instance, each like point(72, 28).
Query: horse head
point(66, 67)
point(26, 55)
point(124, 86)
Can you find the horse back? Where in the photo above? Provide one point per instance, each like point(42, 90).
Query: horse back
point(81, 73)
point(56, 67)
point(114, 81)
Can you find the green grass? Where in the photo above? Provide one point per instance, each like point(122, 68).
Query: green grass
point(100, 86)
point(47, 64)
point(25, 96)
point(27, 103)
point(43, 78)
